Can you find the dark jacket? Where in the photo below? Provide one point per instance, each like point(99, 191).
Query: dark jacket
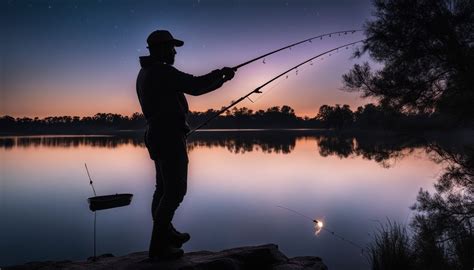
point(160, 90)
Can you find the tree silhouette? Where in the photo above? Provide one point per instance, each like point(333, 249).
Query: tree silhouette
point(427, 50)
point(335, 117)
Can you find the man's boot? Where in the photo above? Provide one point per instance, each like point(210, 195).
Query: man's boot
point(162, 245)
point(178, 238)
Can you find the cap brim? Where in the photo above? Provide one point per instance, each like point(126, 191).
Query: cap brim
point(178, 43)
point(174, 42)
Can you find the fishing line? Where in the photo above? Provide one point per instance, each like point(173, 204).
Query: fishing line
point(281, 80)
point(271, 89)
point(268, 91)
point(257, 90)
point(296, 212)
point(323, 227)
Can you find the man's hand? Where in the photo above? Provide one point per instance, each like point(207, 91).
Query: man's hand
point(227, 73)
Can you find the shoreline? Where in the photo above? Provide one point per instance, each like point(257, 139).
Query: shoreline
point(104, 133)
point(266, 256)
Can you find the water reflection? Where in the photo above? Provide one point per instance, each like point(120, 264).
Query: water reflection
point(71, 141)
point(442, 228)
point(444, 220)
point(235, 142)
point(328, 175)
point(242, 142)
point(384, 149)
point(387, 149)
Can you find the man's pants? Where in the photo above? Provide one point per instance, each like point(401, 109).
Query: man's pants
point(171, 185)
point(171, 163)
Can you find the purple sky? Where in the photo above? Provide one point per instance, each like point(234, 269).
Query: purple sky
point(81, 57)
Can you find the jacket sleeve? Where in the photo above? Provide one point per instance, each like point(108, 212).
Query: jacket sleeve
point(195, 85)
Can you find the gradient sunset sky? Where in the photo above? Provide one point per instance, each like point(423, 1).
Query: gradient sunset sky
point(80, 57)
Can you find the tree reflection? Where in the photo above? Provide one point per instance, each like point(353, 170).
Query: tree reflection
point(442, 236)
point(71, 141)
point(384, 149)
point(342, 147)
point(444, 221)
point(241, 142)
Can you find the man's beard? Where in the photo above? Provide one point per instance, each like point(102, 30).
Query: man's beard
point(169, 60)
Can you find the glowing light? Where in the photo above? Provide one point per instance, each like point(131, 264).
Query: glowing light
point(318, 226)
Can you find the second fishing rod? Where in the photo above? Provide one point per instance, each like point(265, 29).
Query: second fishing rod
point(310, 40)
point(257, 90)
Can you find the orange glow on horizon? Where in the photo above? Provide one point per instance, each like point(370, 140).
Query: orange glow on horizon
point(305, 93)
point(300, 94)
point(44, 109)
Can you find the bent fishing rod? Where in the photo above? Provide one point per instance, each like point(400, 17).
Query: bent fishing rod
point(352, 31)
point(257, 90)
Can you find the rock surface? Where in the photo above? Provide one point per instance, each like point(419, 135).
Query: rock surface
point(258, 257)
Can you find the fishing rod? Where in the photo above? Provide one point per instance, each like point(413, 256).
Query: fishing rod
point(257, 90)
point(352, 31)
point(320, 226)
point(90, 179)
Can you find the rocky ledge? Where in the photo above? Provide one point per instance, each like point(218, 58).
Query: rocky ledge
point(258, 257)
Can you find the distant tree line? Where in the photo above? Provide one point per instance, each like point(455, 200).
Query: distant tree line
point(240, 118)
point(101, 122)
point(338, 117)
point(372, 116)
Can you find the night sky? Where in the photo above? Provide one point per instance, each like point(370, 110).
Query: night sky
point(81, 57)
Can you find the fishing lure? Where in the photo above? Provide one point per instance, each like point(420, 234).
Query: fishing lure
point(320, 226)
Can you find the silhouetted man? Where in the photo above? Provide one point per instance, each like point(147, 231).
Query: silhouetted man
point(160, 89)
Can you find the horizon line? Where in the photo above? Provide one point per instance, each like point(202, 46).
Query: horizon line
point(193, 111)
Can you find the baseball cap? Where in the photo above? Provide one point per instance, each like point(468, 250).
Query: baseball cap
point(159, 37)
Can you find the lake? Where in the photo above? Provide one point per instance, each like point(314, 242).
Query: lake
point(237, 180)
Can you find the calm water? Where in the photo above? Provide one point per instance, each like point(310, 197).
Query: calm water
point(236, 181)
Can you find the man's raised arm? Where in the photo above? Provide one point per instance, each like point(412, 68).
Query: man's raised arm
point(199, 85)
